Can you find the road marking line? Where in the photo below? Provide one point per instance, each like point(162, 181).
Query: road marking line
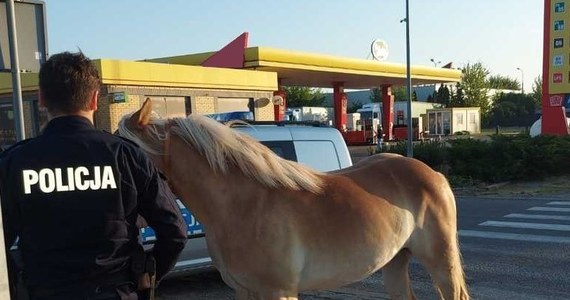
point(515, 236)
point(559, 203)
point(539, 217)
point(347, 293)
point(558, 209)
point(189, 262)
point(558, 227)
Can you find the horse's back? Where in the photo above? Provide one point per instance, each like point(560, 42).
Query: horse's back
point(401, 181)
point(394, 167)
point(381, 156)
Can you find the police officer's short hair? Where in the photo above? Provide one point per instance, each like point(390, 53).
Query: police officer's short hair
point(67, 81)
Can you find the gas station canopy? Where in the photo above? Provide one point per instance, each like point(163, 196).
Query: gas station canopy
point(296, 68)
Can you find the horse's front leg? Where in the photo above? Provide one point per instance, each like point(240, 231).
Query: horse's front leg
point(397, 278)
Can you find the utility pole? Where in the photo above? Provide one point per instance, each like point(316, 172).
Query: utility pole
point(409, 144)
point(15, 66)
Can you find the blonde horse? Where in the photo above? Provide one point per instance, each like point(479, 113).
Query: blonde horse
point(275, 227)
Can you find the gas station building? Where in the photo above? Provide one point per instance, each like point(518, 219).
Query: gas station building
point(176, 91)
point(236, 78)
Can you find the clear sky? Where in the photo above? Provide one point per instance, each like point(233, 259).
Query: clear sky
point(502, 34)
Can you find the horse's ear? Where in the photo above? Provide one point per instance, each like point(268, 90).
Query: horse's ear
point(141, 117)
point(145, 113)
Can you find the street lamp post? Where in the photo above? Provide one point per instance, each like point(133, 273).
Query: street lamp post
point(522, 80)
point(435, 63)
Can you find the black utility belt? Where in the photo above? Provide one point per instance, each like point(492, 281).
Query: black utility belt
point(105, 285)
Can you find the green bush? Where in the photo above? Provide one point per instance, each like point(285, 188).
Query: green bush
point(433, 153)
point(503, 158)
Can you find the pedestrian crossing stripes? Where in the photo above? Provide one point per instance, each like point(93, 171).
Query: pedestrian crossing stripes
point(546, 224)
point(558, 209)
point(559, 203)
point(515, 236)
point(538, 217)
point(557, 227)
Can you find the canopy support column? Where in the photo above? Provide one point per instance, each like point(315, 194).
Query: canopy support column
point(280, 105)
point(388, 111)
point(340, 103)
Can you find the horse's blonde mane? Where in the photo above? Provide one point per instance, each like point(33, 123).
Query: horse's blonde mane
point(223, 146)
point(158, 137)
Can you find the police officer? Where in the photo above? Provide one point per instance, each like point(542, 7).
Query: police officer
point(72, 196)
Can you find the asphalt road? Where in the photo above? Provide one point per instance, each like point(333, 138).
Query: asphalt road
point(512, 249)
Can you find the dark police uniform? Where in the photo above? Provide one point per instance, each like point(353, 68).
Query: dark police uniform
point(72, 195)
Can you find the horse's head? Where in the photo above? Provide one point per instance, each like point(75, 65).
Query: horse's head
point(201, 143)
point(148, 133)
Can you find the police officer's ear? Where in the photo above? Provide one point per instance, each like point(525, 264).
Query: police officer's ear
point(93, 100)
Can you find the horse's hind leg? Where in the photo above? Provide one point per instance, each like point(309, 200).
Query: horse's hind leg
point(397, 278)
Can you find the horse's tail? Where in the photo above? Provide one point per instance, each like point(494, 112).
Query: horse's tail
point(458, 274)
point(447, 266)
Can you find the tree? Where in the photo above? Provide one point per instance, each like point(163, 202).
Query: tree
point(433, 97)
point(298, 96)
point(512, 109)
point(474, 83)
point(458, 98)
point(500, 82)
point(375, 95)
point(443, 95)
point(537, 91)
point(400, 93)
point(352, 108)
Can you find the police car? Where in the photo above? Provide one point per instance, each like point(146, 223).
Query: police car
point(321, 148)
